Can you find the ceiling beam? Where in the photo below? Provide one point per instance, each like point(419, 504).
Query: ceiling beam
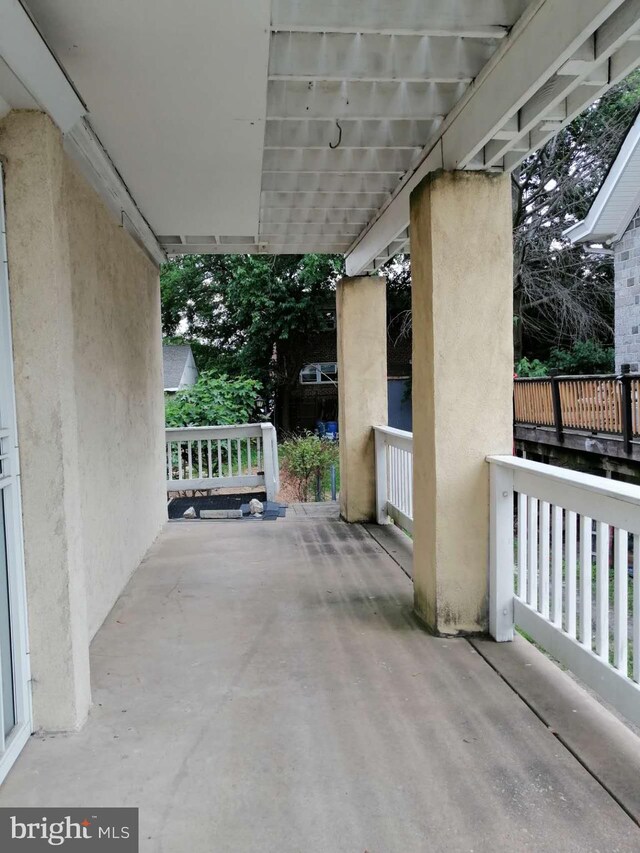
point(394, 162)
point(622, 63)
point(85, 148)
point(343, 56)
point(321, 200)
point(551, 102)
point(321, 217)
point(363, 133)
point(547, 36)
point(272, 230)
point(350, 183)
point(361, 100)
point(489, 18)
point(551, 36)
point(299, 247)
point(29, 58)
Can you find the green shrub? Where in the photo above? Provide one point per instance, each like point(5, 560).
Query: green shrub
point(306, 457)
point(583, 357)
point(215, 400)
point(525, 368)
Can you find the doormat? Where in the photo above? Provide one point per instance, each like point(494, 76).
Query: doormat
point(178, 506)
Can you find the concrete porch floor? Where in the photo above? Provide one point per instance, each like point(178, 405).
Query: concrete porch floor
point(263, 686)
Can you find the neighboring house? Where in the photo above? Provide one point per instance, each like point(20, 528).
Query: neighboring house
point(613, 226)
point(179, 367)
point(313, 396)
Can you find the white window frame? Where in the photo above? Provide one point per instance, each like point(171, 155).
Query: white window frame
point(11, 746)
point(321, 373)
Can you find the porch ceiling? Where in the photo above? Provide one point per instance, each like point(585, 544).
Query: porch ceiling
point(294, 125)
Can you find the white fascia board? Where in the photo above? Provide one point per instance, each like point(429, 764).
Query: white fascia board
point(85, 148)
point(500, 88)
point(588, 228)
point(28, 56)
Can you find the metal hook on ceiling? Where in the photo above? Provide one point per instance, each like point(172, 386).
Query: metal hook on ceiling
point(331, 145)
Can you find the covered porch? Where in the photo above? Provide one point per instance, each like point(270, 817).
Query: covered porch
point(267, 687)
point(272, 686)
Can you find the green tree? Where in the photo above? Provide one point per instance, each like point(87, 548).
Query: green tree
point(563, 293)
point(241, 311)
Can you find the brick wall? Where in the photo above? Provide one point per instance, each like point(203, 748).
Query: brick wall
point(627, 292)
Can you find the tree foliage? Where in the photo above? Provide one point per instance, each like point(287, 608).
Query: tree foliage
point(215, 400)
point(563, 293)
point(234, 309)
point(583, 357)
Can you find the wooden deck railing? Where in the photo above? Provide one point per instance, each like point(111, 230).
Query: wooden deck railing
point(596, 404)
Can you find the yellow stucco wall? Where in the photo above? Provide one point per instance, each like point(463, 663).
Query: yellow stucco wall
point(120, 403)
point(88, 372)
point(461, 259)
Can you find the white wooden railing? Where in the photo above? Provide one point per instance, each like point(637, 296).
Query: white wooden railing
point(224, 456)
point(560, 570)
point(394, 476)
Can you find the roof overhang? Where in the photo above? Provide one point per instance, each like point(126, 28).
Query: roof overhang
point(288, 126)
point(618, 198)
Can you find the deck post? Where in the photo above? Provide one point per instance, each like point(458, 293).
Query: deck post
point(627, 418)
point(557, 404)
point(382, 516)
point(270, 461)
point(501, 625)
point(361, 305)
point(461, 258)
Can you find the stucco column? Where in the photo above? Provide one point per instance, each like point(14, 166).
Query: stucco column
point(42, 319)
point(461, 259)
point(362, 389)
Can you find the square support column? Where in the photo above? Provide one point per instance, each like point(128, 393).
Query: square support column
point(362, 389)
point(40, 285)
point(461, 259)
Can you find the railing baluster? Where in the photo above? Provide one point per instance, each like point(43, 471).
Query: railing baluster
point(522, 545)
point(570, 568)
point(200, 459)
point(189, 460)
point(636, 608)
point(532, 555)
point(544, 558)
point(210, 468)
point(586, 528)
point(249, 465)
point(239, 447)
point(557, 520)
point(602, 590)
point(620, 599)
point(180, 462)
point(387, 454)
point(229, 459)
point(169, 463)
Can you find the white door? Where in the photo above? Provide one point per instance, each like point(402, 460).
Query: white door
point(15, 695)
